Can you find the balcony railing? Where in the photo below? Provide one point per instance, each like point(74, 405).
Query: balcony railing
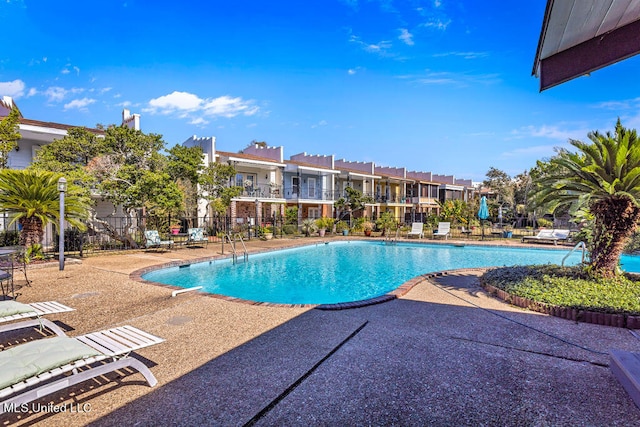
point(304, 193)
point(390, 199)
point(262, 191)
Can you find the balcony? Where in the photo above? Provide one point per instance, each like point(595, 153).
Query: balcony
point(291, 193)
point(262, 191)
point(390, 199)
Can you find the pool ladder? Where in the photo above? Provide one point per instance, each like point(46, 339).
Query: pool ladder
point(578, 245)
point(388, 240)
point(232, 243)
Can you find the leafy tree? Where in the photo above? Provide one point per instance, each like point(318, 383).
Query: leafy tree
point(214, 181)
point(71, 155)
point(9, 135)
point(352, 203)
point(454, 211)
point(501, 184)
point(130, 165)
point(606, 175)
point(291, 215)
point(33, 198)
point(184, 165)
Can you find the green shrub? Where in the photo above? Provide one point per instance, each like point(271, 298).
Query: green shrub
point(570, 287)
point(325, 223)
point(9, 238)
point(544, 223)
point(289, 229)
point(341, 226)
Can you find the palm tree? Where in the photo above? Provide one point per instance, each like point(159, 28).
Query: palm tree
point(605, 175)
point(33, 198)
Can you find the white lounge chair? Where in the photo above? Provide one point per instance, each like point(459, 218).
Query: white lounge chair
point(548, 236)
point(444, 229)
point(13, 310)
point(416, 230)
point(38, 368)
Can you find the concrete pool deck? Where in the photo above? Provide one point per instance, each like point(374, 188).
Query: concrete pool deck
point(445, 353)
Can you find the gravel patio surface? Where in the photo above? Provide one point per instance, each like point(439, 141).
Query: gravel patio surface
point(445, 353)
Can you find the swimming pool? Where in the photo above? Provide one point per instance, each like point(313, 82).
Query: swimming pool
point(345, 271)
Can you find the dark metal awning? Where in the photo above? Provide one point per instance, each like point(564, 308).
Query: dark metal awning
point(581, 36)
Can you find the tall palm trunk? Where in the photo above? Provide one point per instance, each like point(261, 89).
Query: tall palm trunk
point(616, 219)
point(32, 231)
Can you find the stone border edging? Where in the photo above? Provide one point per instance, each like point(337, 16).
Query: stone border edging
point(596, 318)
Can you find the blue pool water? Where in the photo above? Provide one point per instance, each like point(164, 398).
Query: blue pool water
point(346, 271)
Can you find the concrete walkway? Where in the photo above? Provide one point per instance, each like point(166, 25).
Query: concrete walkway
point(444, 354)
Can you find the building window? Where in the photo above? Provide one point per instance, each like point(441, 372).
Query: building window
point(246, 181)
point(314, 213)
point(295, 185)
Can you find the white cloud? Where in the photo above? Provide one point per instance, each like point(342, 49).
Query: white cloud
point(226, 106)
point(437, 24)
point(320, 123)
point(351, 71)
point(188, 105)
point(380, 48)
point(550, 132)
point(80, 104)
point(624, 104)
point(55, 93)
point(465, 55)
point(533, 151)
point(406, 37)
point(14, 89)
point(453, 79)
point(176, 101)
point(32, 91)
point(199, 122)
point(437, 3)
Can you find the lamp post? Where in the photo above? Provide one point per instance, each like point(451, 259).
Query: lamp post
point(62, 187)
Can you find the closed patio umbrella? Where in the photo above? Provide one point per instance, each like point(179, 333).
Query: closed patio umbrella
point(483, 213)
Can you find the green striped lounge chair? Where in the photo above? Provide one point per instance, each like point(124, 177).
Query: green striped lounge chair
point(38, 368)
point(14, 313)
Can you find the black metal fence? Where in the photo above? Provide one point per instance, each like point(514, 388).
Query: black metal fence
point(122, 233)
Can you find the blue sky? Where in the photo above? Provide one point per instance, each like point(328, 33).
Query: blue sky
point(434, 85)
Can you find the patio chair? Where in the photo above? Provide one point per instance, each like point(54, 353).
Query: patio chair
point(197, 237)
point(444, 229)
point(416, 230)
point(154, 241)
point(13, 310)
point(38, 368)
point(548, 236)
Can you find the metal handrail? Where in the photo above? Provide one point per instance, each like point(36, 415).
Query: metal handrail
point(232, 243)
point(389, 240)
point(245, 255)
point(579, 244)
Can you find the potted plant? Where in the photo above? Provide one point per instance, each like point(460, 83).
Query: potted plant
point(267, 232)
point(507, 232)
point(367, 227)
point(323, 224)
point(175, 228)
point(342, 227)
